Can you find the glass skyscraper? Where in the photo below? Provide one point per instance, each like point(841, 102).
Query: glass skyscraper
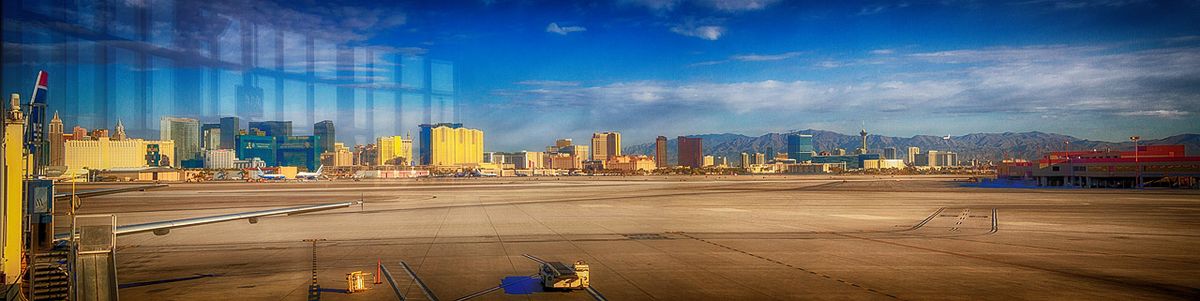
point(186, 134)
point(800, 147)
point(325, 130)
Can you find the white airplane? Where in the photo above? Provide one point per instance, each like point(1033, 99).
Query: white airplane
point(270, 176)
point(311, 175)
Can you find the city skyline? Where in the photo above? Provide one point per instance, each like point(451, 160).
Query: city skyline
point(1095, 70)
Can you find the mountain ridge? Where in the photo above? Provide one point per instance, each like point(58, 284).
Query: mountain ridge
point(979, 146)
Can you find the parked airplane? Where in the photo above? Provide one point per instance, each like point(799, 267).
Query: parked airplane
point(269, 176)
point(311, 175)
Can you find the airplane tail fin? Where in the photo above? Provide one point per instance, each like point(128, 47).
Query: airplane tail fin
point(37, 104)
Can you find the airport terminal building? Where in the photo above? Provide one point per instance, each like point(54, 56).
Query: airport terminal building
point(1155, 165)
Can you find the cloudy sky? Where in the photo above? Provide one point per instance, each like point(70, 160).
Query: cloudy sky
point(528, 72)
point(531, 71)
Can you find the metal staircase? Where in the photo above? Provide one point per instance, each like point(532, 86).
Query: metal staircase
point(49, 279)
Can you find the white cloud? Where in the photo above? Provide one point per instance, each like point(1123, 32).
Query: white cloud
point(766, 57)
point(879, 8)
point(721, 5)
point(1157, 113)
point(563, 30)
point(751, 58)
point(707, 32)
point(1041, 80)
point(827, 64)
point(548, 83)
point(882, 51)
point(738, 5)
point(1077, 4)
point(654, 5)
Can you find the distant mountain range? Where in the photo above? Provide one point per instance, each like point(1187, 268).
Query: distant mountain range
point(980, 146)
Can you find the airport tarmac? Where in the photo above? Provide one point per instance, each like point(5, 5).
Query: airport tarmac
point(668, 238)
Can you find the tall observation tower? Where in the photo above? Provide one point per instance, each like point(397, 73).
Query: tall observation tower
point(863, 150)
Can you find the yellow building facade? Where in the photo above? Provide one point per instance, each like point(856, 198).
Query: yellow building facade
point(455, 146)
point(108, 154)
point(632, 163)
point(14, 174)
point(340, 155)
point(396, 150)
point(883, 164)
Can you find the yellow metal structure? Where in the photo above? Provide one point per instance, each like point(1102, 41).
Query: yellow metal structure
point(356, 282)
point(583, 271)
point(556, 275)
point(13, 176)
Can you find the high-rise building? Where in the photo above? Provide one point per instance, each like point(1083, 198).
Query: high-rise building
point(340, 155)
point(932, 158)
point(708, 160)
point(299, 151)
point(324, 129)
point(12, 189)
point(560, 143)
point(565, 155)
point(393, 150)
point(365, 155)
point(759, 158)
point(631, 163)
point(450, 144)
point(863, 150)
point(186, 134)
point(745, 160)
point(261, 147)
point(522, 160)
point(103, 153)
point(219, 158)
point(606, 145)
point(889, 153)
point(56, 141)
point(800, 147)
point(210, 136)
point(119, 133)
point(660, 151)
point(273, 128)
point(99, 133)
point(690, 151)
point(230, 128)
point(79, 133)
point(912, 155)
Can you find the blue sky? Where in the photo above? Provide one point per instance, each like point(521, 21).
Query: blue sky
point(531, 71)
point(528, 72)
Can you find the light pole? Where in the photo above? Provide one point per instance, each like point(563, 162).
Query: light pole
point(1070, 169)
point(1137, 165)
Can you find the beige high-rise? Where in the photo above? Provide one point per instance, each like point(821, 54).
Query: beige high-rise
point(56, 141)
point(606, 145)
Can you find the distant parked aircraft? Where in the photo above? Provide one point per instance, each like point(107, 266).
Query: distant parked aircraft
point(270, 176)
point(311, 175)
